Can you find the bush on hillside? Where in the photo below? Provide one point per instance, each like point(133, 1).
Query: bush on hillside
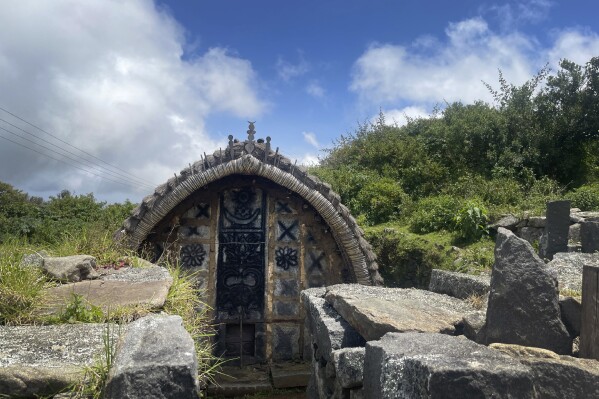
point(405, 260)
point(471, 221)
point(585, 197)
point(434, 213)
point(381, 201)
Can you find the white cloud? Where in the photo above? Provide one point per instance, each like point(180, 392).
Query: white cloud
point(511, 16)
point(395, 75)
point(400, 117)
point(108, 76)
point(310, 138)
point(576, 45)
point(309, 159)
point(315, 89)
point(287, 70)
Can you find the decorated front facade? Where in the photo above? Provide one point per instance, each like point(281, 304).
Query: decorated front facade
point(256, 230)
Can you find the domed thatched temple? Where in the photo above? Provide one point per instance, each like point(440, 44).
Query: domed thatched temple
point(257, 230)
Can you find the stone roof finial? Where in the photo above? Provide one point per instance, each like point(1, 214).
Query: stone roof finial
point(249, 146)
point(251, 131)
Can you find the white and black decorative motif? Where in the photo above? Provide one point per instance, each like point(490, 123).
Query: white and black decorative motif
point(192, 255)
point(286, 257)
point(316, 259)
point(283, 207)
point(199, 211)
point(240, 272)
point(288, 231)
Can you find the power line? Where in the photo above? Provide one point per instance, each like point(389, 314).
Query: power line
point(126, 179)
point(76, 155)
point(72, 146)
point(63, 161)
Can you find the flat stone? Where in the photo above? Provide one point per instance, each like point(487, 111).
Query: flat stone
point(70, 268)
point(523, 304)
point(589, 236)
point(349, 367)
point(155, 358)
point(568, 267)
point(458, 285)
point(44, 360)
point(416, 365)
point(132, 287)
point(237, 382)
point(375, 311)
point(290, 375)
point(557, 376)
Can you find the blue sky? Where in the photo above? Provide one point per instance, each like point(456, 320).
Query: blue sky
point(149, 86)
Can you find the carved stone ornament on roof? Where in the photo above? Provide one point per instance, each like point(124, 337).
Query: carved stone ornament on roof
point(249, 144)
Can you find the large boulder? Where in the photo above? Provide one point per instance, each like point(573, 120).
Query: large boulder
point(416, 365)
point(458, 285)
point(557, 376)
point(70, 268)
point(328, 329)
point(523, 304)
point(40, 361)
point(156, 358)
point(375, 311)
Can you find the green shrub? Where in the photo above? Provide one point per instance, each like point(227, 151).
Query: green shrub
point(381, 201)
point(586, 197)
point(434, 214)
point(21, 288)
point(471, 221)
point(405, 260)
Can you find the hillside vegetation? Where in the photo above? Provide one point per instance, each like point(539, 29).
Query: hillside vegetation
point(440, 180)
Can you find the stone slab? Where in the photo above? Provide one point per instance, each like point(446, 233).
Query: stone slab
point(589, 236)
point(557, 376)
point(416, 365)
point(237, 382)
point(290, 375)
point(155, 358)
point(375, 311)
point(132, 287)
point(557, 227)
point(458, 285)
point(43, 360)
point(571, 311)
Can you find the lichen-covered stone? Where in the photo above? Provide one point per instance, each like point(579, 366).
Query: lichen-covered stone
point(557, 376)
point(156, 358)
point(416, 365)
point(375, 311)
point(523, 304)
point(349, 367)
point(38, 361)
point(70, 268)
point(458, 285)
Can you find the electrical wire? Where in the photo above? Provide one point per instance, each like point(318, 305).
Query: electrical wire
point(72, 146)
